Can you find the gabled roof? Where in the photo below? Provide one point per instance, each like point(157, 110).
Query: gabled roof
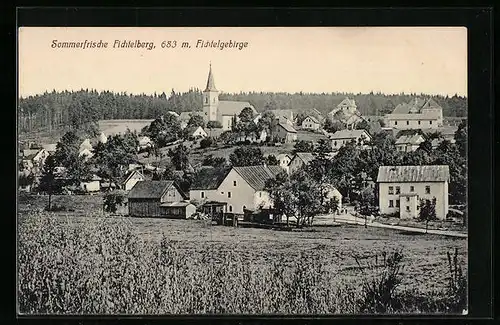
point(85, 145)
point(232, 108)
point(283, 156)
point(306, 157)
point(209, 178)
point(415, 106)
point(256, 176)
point(150, 189)
point(175, 204)
point(286, 113)
point(193, 129)
point(348, 101)
point(314, 119)
point(428, 173)
point(287, 127)
point(410, 139)
point(348, 134)
point(133, 173)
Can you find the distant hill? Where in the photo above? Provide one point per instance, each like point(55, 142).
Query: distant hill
point(54, 110)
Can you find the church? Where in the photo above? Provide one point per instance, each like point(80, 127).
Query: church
point(220, 110)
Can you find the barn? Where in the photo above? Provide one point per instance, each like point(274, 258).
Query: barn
point(145, 199)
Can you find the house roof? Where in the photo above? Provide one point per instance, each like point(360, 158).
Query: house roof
point(132, 173)
point(410, 139)
point(444, 130)
point(193, 129)
point(256, 176)
point(227, 107)
point(209, 178)
point(282, 156)
point(286, 113)
point(30, 152)
point(428, 173)
point(287, 127)
point(185, 116)
point(414, 107)
point(348, 101)
point(150, 189)
point(175, 204)
point(348, 134)
point(306, 157)
point(50, 147)
point(314, 119)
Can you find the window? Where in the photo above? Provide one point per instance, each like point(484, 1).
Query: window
point(229, 194)
point(407, 199)
point(427, 189)
point(202, 194)
point(335, 143)
point(260, 194)
point(230, 208)
point(391, 190)
point(222, 192)
point(391, 204)
point(234, 183)
point(397, 203)
point(418, 122)
point(430, 122)
point(407, 122)
point(395, 122)
point(407, 208)
point(412, 188)
point(398, 189)
point(206, 100)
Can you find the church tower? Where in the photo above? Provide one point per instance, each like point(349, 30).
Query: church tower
point(210, 99)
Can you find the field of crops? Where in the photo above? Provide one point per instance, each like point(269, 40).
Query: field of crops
point(89, 264)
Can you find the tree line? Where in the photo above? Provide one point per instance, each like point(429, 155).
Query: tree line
point(76, 109)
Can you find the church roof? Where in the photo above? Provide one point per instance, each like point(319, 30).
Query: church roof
point(227, 107)
point(210, 81)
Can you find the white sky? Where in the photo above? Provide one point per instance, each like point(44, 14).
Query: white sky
point(429, 60)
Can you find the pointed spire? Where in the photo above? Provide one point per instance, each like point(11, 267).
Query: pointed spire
point(210, 81)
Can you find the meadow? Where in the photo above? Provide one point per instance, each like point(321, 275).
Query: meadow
point(89, 263)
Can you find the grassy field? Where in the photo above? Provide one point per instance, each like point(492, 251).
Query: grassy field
point(112, 127)
point(147, 265)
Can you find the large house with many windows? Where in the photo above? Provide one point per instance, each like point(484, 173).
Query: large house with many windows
point(417, 114)
point(402, 189)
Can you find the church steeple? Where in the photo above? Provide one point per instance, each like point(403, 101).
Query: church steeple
point(210, 81)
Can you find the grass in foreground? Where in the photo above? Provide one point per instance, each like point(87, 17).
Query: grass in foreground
point(103, 266)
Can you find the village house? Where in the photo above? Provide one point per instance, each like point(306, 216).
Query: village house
point(221, 110)
point(311, 123)
point(342, 137)
point(300, 159)
point(103, 138)
point(196, 132)
point(145, 142)
point(331, 192)
point(409, 143)
point(91, 185)
point(177, 210)
point(283, 115)
point(205, 183)
point(445, 132)
point(146, 198)
point(34, 158)
point(243, 188)
point(417, 114)
point(401, 189)
point(346, 112)
point(285, 133)
point(284, 161)
point(131, 179)
point(85, 150)
point(253, 137)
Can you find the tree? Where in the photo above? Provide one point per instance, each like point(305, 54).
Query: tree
point(461, 138)
point(67, 149)
point(246, 156)
point(112, 200)
point(308, 197)
point(214, 125)
point(303, 146)
point(299, 118)
point(164, 130)
point(48, 183)
point(332, 126)
point(280, 193)
point(367, 201)
point(206, 142)
point(246, 115)
point(272, 160)
point(267, 122)
point(210, 160)
point(363, 125)
point(195, 121)
point(179, 157)
point(427, 211)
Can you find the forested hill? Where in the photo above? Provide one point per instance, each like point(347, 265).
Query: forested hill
point(55, 109)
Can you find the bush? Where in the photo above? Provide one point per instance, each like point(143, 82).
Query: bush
point(205, 143)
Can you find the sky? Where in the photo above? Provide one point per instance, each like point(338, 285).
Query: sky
point(430, 60)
